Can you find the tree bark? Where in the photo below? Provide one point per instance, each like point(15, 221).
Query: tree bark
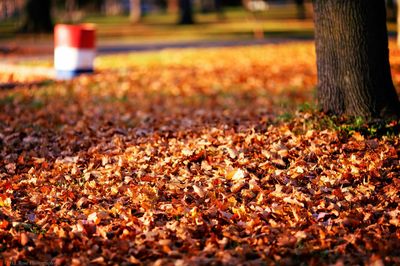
point(186, 12)
point(38, 17)
point(354, 76)
point(135, 11)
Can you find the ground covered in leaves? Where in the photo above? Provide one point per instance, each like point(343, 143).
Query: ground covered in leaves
point(202, 157)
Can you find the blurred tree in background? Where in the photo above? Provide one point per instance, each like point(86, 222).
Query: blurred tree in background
point(37, 17)
point(172, 6)
point(186, 12)
point(301, 9)
point(70, 7)
point(391, 10)
point(135, 11)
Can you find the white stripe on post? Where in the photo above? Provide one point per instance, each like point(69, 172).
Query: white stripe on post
point(68, 58)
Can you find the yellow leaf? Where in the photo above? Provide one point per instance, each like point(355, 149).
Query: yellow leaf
point(357, 136)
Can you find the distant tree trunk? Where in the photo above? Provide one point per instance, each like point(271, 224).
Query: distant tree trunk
point(112, 7)
point(398, 24)
point(3, 10)
point(218, 6)
point(206, 6)
point(135, 11)
point(70, 6)
point(258, 30)
point(245, 4)
point(186, 12)
point(172, 6)
point(38, 17)
point(301, 9)
point(219, 9)
point(391, 8)
point(354, 75)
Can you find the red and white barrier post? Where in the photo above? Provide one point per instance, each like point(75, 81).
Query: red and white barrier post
point(74, 50)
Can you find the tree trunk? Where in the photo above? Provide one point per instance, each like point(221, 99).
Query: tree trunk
point(391, 10)
point(301, 9)
point(218, 6)
point(398, 24)
point(245, 4)
point(112, 7)
point(172, 6)
point(70, 6)
point(206, 6)
point(38, 17)
point(354, 76)
point(186, 12)
point(135, 11)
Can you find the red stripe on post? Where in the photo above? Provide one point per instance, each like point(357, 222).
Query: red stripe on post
point(75, 36)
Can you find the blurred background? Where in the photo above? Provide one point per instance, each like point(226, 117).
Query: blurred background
point(153, 21)
point(26, 25)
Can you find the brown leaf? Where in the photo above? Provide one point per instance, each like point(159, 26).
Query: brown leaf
point(24, 239)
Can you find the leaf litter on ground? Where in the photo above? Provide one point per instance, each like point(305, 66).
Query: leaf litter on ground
point(185, 160)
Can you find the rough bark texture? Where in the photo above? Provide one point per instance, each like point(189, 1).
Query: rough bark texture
point(38, 17)
point(186, 12)
point(353, 59)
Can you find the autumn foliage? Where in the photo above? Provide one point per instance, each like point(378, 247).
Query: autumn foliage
point(201, 157)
